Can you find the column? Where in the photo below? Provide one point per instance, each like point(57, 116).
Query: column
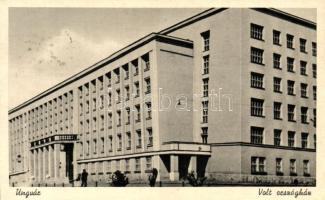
point(51, 161)
point(56, 161)
point(193, 164)
point(62, 162)
point(156, 162)
point(35, 164)
point(174, 174)
point(74, 162)
point(40, 164)
point(45, 162)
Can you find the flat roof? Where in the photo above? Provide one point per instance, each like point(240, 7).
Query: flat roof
point(141, 42)
point(161, 36)
point(270, 11)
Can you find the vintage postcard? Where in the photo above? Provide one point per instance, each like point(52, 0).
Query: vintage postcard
point(219, 98)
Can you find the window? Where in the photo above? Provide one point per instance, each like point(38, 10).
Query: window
point(109, 120)
point(102, 122)
point(147, 80)
point(314, 92)
point(257, 80)
point(314, 119)
point(136, 70)
point(205, 105)
point(290, 64)
point(150, 137)
point(138, 118)
point(293, 168)
point(277, 137)
point(314, 70)
point(118, 94)
point(256, 55)
point(101, 103)
point(256, 31)
point(128, 116)
point(291, 112)
point(278, 166)
point(137, 165)
point(148, 110)
point(109, 99)
point(119, 142)
point(126, 72)
point(118, 164)
point(304, 115)
point(87, 106)
point(277, 110)
point(128, 140)
point(204, 135)
point(94, 124)
point(146, 61)
point(257, 135)
point(303, 90)
point(302, 45)
point(276, 37)
point(314, 48)
point(206, 40)
point(148, 163)
point(289, 41)
point(303, 68)
point(137, 89)
point(205, 87)
point(258, 165)
point(206, 64)
point(257, 107)
point(139, 139)
point(277, 84)
point(102, 144)
point(291, 87)
point(118, 118)
point(277, 61)
point(127, 165)
point(304, 140)
point(87, 148)
point(127, 93)
point(315, 141)
point(291, 138)
point(110, 140)
point(306, 168)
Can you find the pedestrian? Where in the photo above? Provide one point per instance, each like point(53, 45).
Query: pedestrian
point(84, 176)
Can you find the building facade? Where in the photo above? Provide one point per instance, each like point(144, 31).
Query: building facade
point(235, 102)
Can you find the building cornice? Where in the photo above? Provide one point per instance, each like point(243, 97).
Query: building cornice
point(213, 11)
point(131, 47)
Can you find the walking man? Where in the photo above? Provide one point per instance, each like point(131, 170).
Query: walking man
point(84, 176)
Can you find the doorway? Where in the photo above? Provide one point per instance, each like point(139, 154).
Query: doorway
point(69, 161)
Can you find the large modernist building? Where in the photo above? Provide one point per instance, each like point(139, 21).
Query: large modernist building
point(229, 94)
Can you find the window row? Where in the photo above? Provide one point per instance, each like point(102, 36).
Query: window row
point(257, 57)
point(257, 81)
point(115, 75)
point(95, 122)
point(257, 110)
point(119, 143)
point(257, 32)
point(124, 165)
point(258, 166)
point(257, 137)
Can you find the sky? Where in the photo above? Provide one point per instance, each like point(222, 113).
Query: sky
point(48, 45)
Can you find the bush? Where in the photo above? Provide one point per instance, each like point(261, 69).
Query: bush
point(119, 179)
point(195, 182)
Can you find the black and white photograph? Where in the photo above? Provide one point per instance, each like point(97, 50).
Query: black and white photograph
point(162, 97)
point(150, 100)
